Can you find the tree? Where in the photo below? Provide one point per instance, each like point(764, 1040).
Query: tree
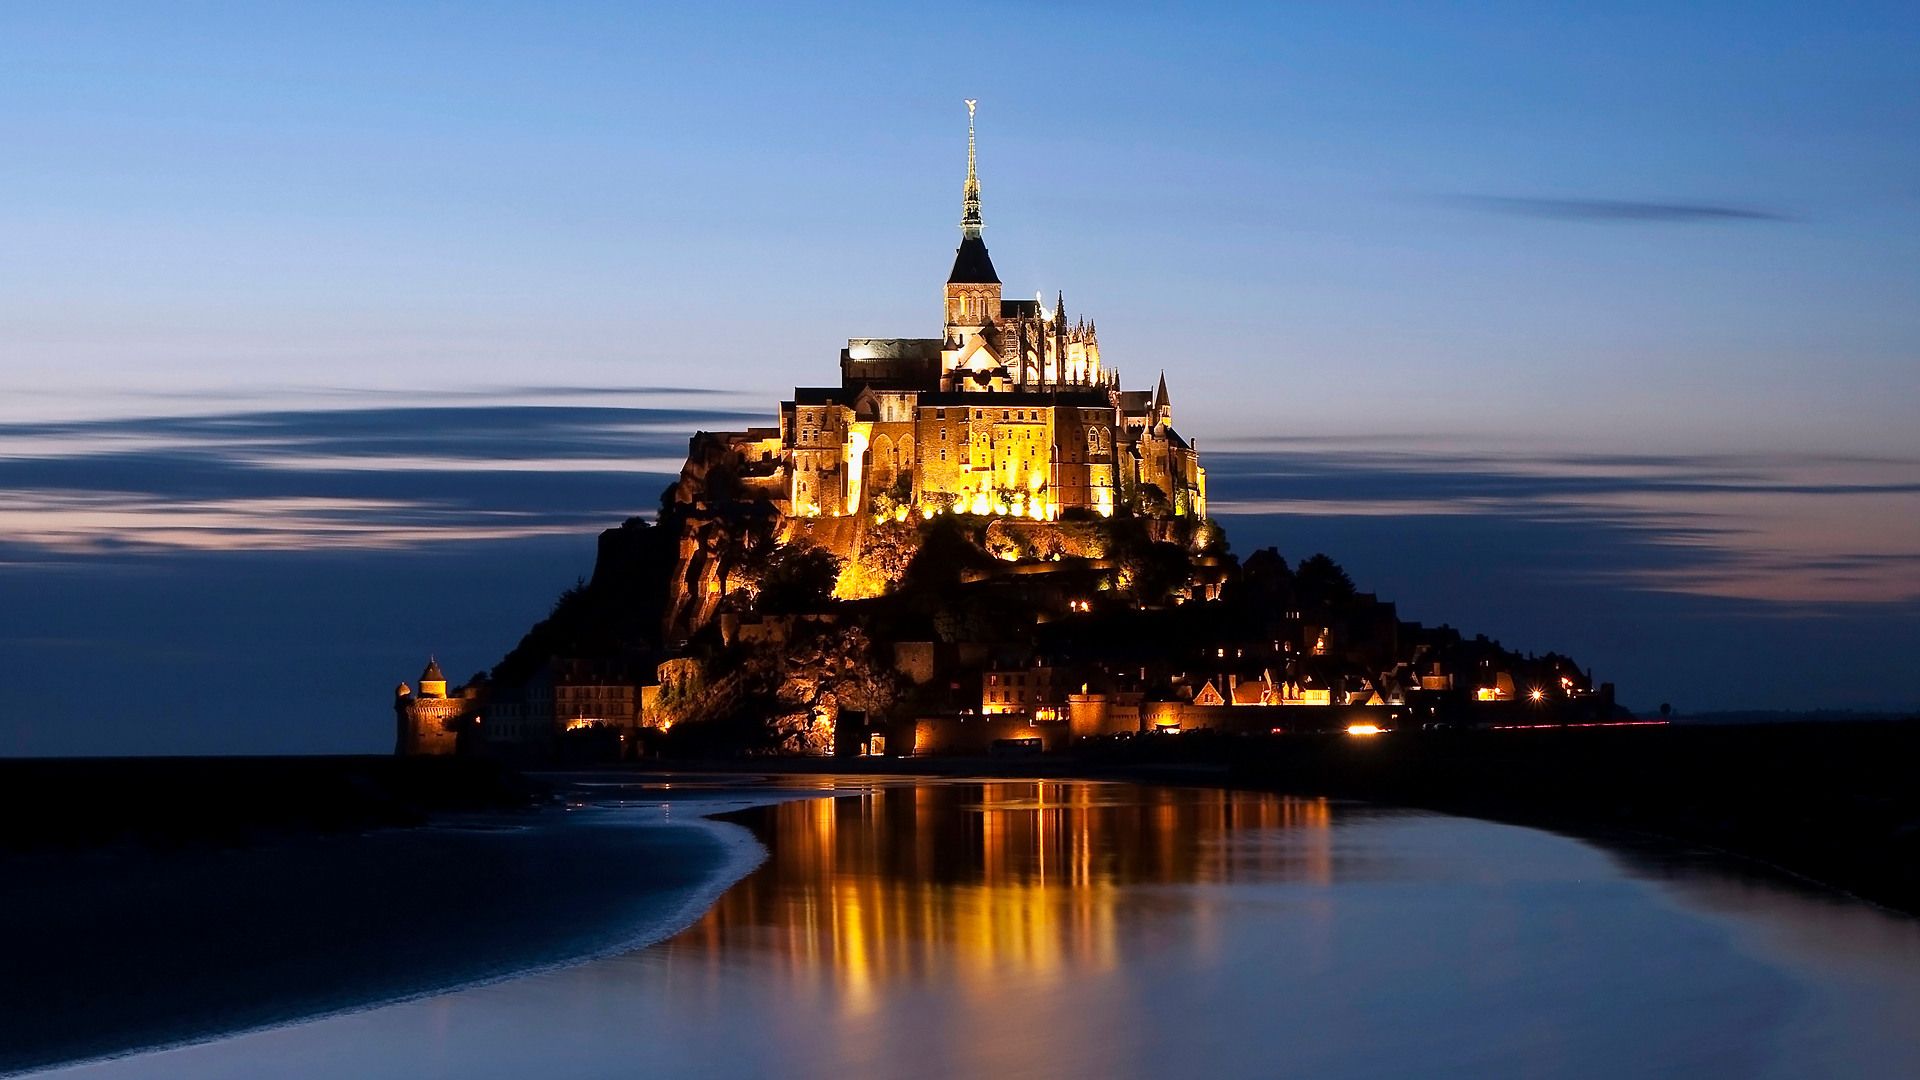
point(1162, 569)
point(797, 577)
point(947, 551)
point(1322, 583)
point(885, 552)
point(897, 494)
point(1153, 502)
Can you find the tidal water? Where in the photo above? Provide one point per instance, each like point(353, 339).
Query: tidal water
point(1077, 929)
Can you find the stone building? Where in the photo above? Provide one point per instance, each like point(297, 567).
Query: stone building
point(1011, 411)
point(1038, 691)
point(430, 721)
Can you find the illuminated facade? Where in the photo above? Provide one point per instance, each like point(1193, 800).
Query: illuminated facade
point(1009, 412)
point(429, 722)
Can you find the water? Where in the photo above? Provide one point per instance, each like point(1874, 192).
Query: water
point(1015, 929)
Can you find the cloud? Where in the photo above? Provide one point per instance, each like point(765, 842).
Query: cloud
point(1620, 210)
point(1783, 529)
point(326, 478)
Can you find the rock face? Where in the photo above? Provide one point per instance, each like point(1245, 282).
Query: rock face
point(712, 544)
point(716, 528)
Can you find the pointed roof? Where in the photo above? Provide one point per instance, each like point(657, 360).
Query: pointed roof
point(971, 266)
point(1209, 695)
point(977, 347)
point(1160, 395)
point(432, 674)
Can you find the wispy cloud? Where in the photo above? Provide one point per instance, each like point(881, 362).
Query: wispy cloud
point(96, 522)
point(1784, 529)
point(369, 477)
point(1615, 210)
point(1789, 529)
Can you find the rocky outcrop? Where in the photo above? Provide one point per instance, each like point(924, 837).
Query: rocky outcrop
point(717, 525)
point(712, 543)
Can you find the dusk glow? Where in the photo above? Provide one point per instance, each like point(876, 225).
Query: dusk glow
point(328, 279)
point(1108, 542)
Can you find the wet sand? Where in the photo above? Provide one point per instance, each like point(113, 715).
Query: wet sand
point(117, 949)
point(1041, 928)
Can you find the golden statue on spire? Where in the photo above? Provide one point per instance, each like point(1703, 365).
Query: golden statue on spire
point(970, 221)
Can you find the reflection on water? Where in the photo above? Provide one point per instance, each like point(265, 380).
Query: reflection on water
point(973, 884)
point(1043, 929)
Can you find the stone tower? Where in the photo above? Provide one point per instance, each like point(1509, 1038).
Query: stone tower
point(428, 722)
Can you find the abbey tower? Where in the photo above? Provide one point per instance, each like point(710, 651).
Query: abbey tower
point(1010, 412)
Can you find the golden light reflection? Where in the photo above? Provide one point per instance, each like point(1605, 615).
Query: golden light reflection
point(975, 884)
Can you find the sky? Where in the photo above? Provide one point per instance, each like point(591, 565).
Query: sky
point(330, 334)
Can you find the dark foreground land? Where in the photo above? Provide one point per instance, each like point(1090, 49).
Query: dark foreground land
point(55, 803)
point(163, 900)
point(1836, 803)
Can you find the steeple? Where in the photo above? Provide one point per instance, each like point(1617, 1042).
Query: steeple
point(970, 195)
point(971, 266)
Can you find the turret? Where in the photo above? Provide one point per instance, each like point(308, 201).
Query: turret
point(433, 684)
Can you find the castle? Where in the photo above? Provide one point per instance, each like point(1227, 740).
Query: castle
point(1010, 412)
point(1070, 584)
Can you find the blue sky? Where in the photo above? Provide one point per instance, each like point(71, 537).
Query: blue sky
point(1614, 304)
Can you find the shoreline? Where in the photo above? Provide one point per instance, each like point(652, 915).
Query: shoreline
point(1829, 804)
point(1578, 784)
point(186, 996)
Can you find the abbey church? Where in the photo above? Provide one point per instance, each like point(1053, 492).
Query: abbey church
point(1009, 412)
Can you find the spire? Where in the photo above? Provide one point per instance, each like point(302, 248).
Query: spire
point(970, 222)
point(1060, 308)
point(971, 266)
point(1160, 395)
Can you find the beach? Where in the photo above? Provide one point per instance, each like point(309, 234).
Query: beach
point(952, 927)
point(124, 947)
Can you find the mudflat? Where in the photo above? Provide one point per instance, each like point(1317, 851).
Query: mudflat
point(116, 947)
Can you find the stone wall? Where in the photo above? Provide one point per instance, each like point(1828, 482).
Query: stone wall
point(973, 734)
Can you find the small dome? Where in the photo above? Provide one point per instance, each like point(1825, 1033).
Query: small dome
point(403, 690)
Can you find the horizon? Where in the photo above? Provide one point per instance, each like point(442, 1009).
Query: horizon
point(332, 343)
